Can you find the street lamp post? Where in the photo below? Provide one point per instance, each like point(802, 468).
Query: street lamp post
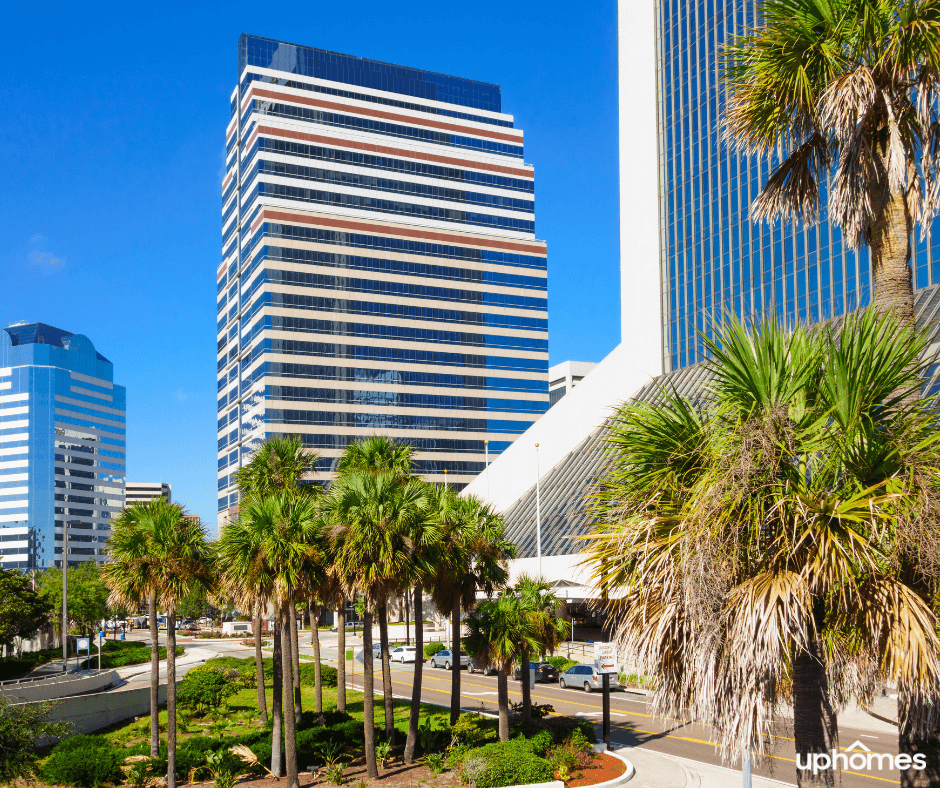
point(538, 511)
point(65, 591)
point(486, 448)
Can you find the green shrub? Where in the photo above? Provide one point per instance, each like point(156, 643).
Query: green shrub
point(504, 763)
point(20, 727)
point(204, 690)
point(88, 761)
point(432, 648)
point(473, 729)
point(307, 677)
point(562, 663)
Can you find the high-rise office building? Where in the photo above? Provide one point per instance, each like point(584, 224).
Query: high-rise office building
point(380, 271)
point(62, 447)
point(714, 259)
point(142, 492)
point(563, 377)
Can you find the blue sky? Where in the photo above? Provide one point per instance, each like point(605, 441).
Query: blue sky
point(113, 151)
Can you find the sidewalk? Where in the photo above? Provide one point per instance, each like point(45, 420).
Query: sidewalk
point(191, 657)
point(654, 770)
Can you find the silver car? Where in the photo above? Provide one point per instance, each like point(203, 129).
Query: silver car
point(585, 677)
point(445, 659)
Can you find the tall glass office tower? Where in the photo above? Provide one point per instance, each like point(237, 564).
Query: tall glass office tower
point(62, 447)
point(714, 258)
point(380, 272)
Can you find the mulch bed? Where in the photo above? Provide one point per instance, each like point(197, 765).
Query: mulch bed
point(605, 768)
point(397, 775)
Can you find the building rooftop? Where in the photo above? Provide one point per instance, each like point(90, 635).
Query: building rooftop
point(336, 67)
point(42, 334)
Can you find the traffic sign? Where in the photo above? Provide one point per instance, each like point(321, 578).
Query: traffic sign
point(82, 644)
point(605, 658)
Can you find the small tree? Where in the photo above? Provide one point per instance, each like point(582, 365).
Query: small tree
point(22, 610)
point(88, 594)
point(21, 726)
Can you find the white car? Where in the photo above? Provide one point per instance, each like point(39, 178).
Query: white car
point(405, 654)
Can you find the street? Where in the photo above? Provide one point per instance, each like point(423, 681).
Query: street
point(632, 723)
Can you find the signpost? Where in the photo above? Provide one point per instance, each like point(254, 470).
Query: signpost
point(83, 643)
point(605, 663)
point(99, 642)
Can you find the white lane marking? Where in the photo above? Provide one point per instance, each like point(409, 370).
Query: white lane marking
point(479, 693)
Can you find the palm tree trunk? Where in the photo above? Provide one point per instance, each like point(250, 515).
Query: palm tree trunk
point(891, 253)
point(171, 698)
point(295, 660)
point(386, 676)
point(290, 726)
point(912, 745)
point(502, 687)
point(317, 678)
point(341, 659)
point(412, 738)
point(368, 700)
point(314, 620)
point(154, 677)
point(526, 689)
point(277, 707)
point(455, 674)
point(259, 668)
point(815, 730)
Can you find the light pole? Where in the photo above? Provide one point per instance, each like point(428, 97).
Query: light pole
point(538, 511)
point(486, 448)
point(65, 591)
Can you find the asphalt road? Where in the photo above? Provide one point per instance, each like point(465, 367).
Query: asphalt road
point(632, 723)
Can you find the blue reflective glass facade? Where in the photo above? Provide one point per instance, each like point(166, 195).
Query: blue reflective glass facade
point(380, 271)
point(62, 447)
point(332, 66)
point(714, 258)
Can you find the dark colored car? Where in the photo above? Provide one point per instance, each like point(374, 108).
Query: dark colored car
point(473, 667)
point(543, 671)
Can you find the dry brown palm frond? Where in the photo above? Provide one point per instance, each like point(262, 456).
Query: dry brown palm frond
point(846, 101)
point(792, 191)
point(856, 176)
point(245, 755)
point(897, 158)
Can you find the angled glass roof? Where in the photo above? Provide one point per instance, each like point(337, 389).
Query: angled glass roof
point(42, 334)
point(566, 488)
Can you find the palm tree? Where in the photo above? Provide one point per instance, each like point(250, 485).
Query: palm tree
point(494, 631)
point(848, 90)
point(544, 631)
point(279, 463)
point(470, 554)
point(157, 551)
point(757, 544)
point(376, 513)
point(381, 454)
point(424, 538)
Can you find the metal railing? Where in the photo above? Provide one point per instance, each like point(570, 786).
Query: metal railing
point(54, 678)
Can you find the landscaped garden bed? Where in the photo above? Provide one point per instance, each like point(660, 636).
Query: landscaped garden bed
point(218, 721)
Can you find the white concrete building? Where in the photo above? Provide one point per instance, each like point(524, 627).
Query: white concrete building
point(564, 377)
point(141, 492)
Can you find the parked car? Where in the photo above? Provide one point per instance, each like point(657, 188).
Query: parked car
point(377, 650)
point(445, 659)
point(543, 671)
point(405, 654)
point(586, 677)
point(473, 666)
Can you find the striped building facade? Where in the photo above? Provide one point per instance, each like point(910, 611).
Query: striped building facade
point(62, 447)
point(380, 272)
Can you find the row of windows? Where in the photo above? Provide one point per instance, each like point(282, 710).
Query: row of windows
point(400, 399)
point(378, 421)
point(290, 83)
point(394, 355)
point(375, 162)
point(338, 328)
point(384, 288)
point(360, 181)
point(397, 267)
point(88, 500)
point(396, 245)
point(400, 311)
point(64, 432)
point(340, 199)
point(382, 127)
point(391, 377)
point(90, 424)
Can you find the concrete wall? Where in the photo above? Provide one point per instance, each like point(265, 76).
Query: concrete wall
point(53, 688)
point(88, 713)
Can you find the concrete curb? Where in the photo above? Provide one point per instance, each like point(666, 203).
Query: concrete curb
point(191, 656)
point(624, 778)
